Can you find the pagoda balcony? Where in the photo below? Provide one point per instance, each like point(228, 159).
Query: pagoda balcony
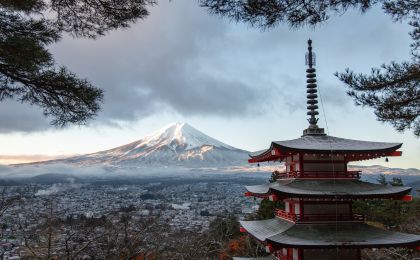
point(279, 256)
point(283, 257)
point(331, 217)
point(318, 217)
point(321, 174)
point(285, 215)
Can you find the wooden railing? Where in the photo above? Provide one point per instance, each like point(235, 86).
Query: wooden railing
point(330, 217)
point(285, 215)
point(280, 256)
point(318, 217)
point(320, 174)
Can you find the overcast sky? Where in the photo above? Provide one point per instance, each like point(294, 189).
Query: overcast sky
point(238, 84)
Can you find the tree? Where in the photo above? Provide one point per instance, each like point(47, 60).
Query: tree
point(267, 207)
point(27, 70)
point(225, 240)
point(7, 201)
point(118, 235)
point(396, 215)
point(54, 238)
point(396, 182)
point(382, 179)
point(393, 90)
point(274, 176)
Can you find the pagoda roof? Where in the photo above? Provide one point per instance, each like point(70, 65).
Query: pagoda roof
point(262, 229)
point(324, 144)
point(312, 188)
point(346, 235)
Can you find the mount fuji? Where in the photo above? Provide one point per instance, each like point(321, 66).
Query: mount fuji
point(178, 144)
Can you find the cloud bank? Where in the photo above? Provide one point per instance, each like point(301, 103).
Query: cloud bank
point(184, 61)
point(160, 64)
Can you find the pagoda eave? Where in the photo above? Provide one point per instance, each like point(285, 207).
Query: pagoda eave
point(327, 189)
point(278, 246)
point(354, 150)
point(280, 233)
point(342, 235)
point(262, 229)
point(284, 195)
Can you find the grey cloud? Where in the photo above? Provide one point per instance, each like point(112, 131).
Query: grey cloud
point(183, 60)
point(334, 95)
point(204, 94)
point(160, 63)
point(22, 117)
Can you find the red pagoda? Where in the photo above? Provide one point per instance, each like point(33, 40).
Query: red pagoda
point(318, 191)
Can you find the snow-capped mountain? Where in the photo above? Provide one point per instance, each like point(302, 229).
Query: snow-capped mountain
point(177, 144)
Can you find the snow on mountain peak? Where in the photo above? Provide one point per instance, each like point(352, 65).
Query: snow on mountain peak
point(176, 144)
point(181, 134)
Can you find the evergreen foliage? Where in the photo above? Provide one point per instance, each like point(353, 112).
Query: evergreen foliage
point(396, 182)
point(27, 70)
point(390, 213)
point(266, 209)
point(398, 215)
point(274, 176)
point(225, 240)
point(393, 90)
point(382, 179)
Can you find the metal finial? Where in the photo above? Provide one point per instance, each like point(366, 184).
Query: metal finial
point(310, 56)
point(312, 97)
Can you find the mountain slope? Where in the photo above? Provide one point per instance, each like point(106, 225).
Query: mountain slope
point(176, 144)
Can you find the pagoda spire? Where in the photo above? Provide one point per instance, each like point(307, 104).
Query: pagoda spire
point(312, 97)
